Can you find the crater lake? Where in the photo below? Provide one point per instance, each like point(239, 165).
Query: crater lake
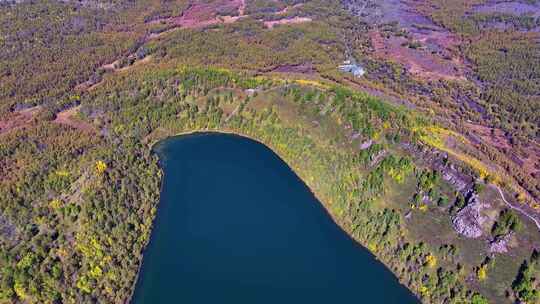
point(236, 225)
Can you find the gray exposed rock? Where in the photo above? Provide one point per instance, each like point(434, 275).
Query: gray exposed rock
point(355, 135)
point(375, 160)
point(454, 180)
point(252, 92)
point(500, 244)
point(468, 221)
point(366, 144)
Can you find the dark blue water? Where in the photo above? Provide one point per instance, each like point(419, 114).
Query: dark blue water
point(236, 225)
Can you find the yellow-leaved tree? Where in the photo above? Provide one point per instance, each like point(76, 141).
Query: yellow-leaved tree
point(431, 261)
point(481, 273)
point(101, 167)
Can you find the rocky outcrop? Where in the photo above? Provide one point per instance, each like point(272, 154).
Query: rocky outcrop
point(366, 144)
point(468, 221)
point(437, 160)
point(500, 244)
point(377, 158)
point(451, 176)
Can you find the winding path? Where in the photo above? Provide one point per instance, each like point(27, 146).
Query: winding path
point(516, 208)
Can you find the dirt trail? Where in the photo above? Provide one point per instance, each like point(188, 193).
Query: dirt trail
point(287, 9)
point(18, 119)
point(197, 15)
point(67, 118)
point(138, 62)
point(516, 208)
point(420, 62)
point(234, 112)
point(295, 20)
point(396, 100)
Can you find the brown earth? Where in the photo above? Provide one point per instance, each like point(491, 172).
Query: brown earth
point(305, 68)
point(18, 119)
point(426, 49)
point(67, 117)
point(419, 62)
point(199, 15)
point(527, 157)
point(494, 137)
point(295, 20)
point(288, 8)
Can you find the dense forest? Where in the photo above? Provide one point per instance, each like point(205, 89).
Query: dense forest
point(83, 208)
point(87, 87)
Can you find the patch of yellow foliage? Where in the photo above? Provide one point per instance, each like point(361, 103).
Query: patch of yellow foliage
point(424, 291)
point(481, 273)
point(93, 254)
point(521, 197)
point(423, 207)
point(398, 175)
point(446, 133)
point(101, 167)
point(90, 248)
point(55, 203)
point(312, 83)
point(61, 252)
point(372, 247)
point(62, 173)
point(435, 136)
point(84, 284)
point(20, 291)
point(109, 290)
point(96, 272)
point(431, 261)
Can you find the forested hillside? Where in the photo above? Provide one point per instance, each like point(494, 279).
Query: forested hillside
point(436, 176)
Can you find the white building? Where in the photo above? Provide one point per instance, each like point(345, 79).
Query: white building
point(352, 68)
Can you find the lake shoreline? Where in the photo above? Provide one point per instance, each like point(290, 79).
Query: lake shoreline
point(232, 132)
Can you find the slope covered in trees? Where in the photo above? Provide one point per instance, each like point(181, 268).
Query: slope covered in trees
point(87, 88)
point(81, 212)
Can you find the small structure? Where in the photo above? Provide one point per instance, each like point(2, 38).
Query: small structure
point(250, 92)
point(351, 67)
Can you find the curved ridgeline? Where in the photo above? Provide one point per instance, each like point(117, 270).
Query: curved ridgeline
point(99, 206)
point(236, 225)
point(315, 129)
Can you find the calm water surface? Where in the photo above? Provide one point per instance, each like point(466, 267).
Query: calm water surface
point(236, 225)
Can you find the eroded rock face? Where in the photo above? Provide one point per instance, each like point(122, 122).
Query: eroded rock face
point(500, 245)
point(468, 221)
point(366, 144)
point(455, 180)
